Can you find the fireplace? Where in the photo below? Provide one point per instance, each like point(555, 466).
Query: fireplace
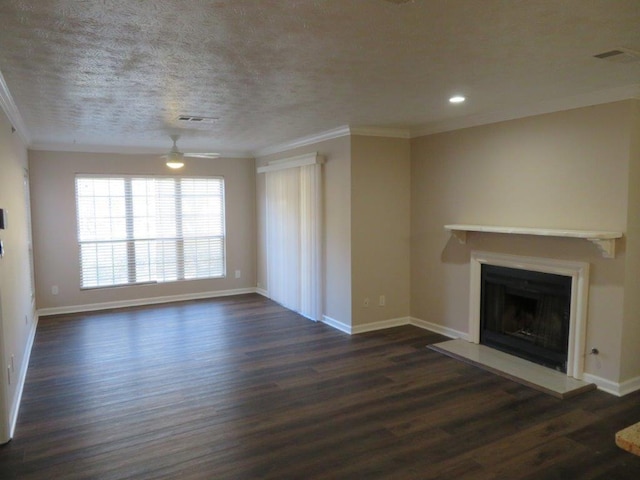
point(531, 307)
point(526, 313)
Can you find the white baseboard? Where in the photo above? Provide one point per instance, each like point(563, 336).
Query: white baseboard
point(629, 386)
point(442, 330)
point(381, 325)
point(368, 327)
point(603, 384)
point(614, 388)
point(142, 301)
point(22, 377)
point(263, 292)
point(332, 322)
point(394, 322)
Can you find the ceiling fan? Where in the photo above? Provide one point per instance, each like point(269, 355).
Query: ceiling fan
point(175, 158)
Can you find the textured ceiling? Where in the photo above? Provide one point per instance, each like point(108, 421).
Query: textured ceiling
point(119, 72)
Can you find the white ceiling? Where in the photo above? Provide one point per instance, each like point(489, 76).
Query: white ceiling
point(116, 74)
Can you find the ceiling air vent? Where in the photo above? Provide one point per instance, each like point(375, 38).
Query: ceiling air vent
point(620, 55)
point(197, 120)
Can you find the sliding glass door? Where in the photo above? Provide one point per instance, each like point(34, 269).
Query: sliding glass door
point(293, 235)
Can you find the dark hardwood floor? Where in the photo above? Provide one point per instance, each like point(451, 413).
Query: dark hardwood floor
point(240, 388)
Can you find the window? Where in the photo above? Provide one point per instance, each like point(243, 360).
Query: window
point(135, 230)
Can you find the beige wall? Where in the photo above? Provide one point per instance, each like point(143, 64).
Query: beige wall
point(336, 224)
point(17, 322)
point(54, 221)
point(630, 367)
point(562, 170)
point(380, 228)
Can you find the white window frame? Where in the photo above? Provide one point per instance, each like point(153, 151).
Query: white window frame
point(87, 281)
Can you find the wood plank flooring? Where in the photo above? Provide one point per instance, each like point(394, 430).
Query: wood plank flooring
point(240, 388)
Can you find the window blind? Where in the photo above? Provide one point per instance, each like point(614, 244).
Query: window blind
point(135, 230)
point(293, 197)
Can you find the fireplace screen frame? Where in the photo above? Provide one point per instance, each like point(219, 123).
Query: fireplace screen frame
point(579, 273)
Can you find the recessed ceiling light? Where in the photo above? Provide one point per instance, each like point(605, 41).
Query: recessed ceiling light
point(457, 99)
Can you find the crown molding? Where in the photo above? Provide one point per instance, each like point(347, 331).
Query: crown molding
point(338, 132)
point(577, 101)
point(11, 111)
point(121, 150)
point(73, 147)
point(304, 141)
point(381, 132)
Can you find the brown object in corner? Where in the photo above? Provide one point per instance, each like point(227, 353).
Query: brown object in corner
point(629, 439)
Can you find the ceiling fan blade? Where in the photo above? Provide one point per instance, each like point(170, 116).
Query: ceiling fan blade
point(202, 155)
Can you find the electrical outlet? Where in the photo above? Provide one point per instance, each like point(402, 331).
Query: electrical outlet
point(238, 273)
point(366, 302)
point(55, 290)
point(382, 301)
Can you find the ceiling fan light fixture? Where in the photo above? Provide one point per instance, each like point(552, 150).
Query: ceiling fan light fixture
point(175, 160)
point(175, 164)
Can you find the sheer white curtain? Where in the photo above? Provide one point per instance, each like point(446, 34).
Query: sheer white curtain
point(293, 235)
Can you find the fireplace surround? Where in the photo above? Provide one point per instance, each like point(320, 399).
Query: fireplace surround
point(526, 285)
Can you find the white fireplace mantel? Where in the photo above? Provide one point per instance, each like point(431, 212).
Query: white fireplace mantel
point(605, 241)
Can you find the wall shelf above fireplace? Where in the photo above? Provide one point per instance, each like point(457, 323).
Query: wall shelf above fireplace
point(605, 241)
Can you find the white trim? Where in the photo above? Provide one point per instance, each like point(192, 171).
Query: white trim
point(15, 407)
point(263, 292)
point(603, 384)
point(529, 110)
point(440, 329)
point(338, 132)
point(292, 162)
point(304, 141)
point(142, 301)
point(381, 325)
point(629, 386)
point(332, 322)
point(11, 111)
point(126, 150)
point(391, 323)
point(579, 273)
point(604, 240)
point(296, 161)
point(381, 132)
